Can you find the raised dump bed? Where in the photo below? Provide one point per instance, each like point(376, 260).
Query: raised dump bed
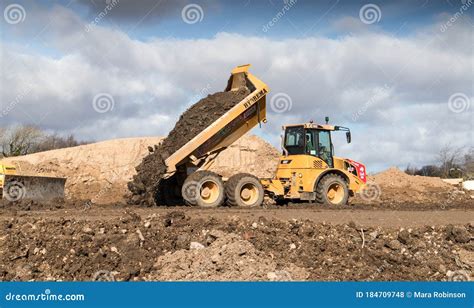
point(199, 152)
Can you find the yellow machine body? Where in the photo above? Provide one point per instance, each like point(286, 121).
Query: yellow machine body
point(297, 176)
point(15, 187)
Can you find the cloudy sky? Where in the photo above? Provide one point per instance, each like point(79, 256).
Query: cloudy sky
point(399, 74)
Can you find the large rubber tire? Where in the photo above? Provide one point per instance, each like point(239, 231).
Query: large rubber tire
point(332, 189)
point(203, 188)
point(244, 189)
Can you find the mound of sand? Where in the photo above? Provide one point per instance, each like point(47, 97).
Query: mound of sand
point(97, 171)
point(100, 171)
point(249, 154)
point(396, 178)
point(395, 186)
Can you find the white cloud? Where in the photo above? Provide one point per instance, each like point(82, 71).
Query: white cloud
point(404, 82)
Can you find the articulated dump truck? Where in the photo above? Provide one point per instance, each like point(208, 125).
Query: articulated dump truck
point(15, 187)
point(307, 169)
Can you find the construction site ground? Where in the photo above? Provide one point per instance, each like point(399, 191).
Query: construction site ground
point(77, 241)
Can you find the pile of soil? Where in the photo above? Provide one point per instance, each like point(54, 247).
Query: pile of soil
point(393, 186)
point(228, 257)
point(193, 121)
point(396, 178)
point(98, 171)
point(174, 245)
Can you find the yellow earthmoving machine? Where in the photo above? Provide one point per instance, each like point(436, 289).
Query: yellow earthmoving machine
point(307, 169)
point(15, 187)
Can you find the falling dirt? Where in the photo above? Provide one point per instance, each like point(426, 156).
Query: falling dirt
point(191, 123)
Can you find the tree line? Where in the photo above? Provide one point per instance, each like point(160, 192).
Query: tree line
point(452, 162)
point(28, 139)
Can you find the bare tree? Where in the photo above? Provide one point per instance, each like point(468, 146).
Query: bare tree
point(449, 159)
point(19, 140)
point(54, 141)
point(469, 163)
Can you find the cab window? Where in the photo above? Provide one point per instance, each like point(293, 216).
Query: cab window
point(311, 141)
point(295, 140)
point(324, 147)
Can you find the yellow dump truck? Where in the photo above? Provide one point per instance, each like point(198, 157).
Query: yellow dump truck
point(15, 187)
point(307, 169)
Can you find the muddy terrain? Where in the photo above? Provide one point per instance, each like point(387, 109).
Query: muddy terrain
point(117, 242)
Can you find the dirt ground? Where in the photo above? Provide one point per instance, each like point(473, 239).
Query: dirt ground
point(77, 241)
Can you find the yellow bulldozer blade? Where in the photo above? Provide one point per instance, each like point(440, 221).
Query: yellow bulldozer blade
point(22, 187)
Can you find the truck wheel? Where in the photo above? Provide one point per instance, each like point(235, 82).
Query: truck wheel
point(244, 189)
point(203, 188)
point(332, 190)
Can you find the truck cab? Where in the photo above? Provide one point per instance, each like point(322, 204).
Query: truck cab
point(308, 169)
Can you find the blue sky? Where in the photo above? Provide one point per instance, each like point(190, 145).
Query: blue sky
point(399, 73)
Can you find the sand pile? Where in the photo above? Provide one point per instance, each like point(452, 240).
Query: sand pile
point(395, 186)
point(396, 178)
point(249, 154)
point(97, 171)
point(191, 123)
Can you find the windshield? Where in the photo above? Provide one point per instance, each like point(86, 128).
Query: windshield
point(294, 140)
point(324, 146)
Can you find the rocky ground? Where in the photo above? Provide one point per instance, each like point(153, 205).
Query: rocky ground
point(125, 243)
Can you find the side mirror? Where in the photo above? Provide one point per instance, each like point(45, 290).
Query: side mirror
point(348, 137)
